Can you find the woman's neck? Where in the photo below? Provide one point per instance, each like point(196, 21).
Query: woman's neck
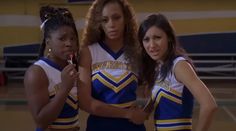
point(61, 63)
point(114, 45)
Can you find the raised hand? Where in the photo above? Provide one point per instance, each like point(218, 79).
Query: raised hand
point(68, 76)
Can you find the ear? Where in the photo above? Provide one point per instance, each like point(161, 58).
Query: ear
point(47, 42)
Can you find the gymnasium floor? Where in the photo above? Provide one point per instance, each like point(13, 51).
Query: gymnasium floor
point(15, 116)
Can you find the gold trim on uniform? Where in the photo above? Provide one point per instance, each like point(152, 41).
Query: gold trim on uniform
point(111, 65)
point(114, 88)
point(163, 94)
point(73, 104)
point(171, 121)
point(174, 121)
point(64, 126)
point(124, 105)
point(167, 87)
point(182, 127)
point(64, 120)
point(115, 79)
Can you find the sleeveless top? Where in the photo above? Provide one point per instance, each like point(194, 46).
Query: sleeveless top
point(113, 81)
point(173, 103)
point(68, 118)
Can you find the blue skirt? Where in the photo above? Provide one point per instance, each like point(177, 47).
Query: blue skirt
point(96, 123)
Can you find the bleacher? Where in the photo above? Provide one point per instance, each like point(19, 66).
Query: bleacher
point(214, 56)
point(16, 59)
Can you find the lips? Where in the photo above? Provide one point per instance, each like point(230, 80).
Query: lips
point(112, 32)
point(69, 52)
point(154, 52)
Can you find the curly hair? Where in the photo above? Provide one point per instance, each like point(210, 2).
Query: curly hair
point(93, 31)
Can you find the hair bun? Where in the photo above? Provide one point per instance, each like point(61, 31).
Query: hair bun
point(46, 12)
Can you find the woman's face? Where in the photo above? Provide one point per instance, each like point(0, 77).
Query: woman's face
point(155, 42)
point(63, 42)
point(113, 21)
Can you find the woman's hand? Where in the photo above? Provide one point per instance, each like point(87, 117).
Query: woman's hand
point(137, 115)
point(69, 77)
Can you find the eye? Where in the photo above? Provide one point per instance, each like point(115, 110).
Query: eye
point(146, 39)
point(116, 17)
point(104, 20)
point(62, 38)
point(73, 38)
point(155, 37)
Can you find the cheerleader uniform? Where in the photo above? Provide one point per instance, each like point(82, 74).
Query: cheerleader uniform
point(68, 117)
point(173, 103)
point(114, 83)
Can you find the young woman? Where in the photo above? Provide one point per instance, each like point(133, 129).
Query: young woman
point(107, 68)
point(50, 81)
point(171, 77)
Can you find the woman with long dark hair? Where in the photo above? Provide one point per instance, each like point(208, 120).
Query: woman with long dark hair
point(168, 74)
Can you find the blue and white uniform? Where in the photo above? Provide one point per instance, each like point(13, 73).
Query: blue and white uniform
point(114, 83)
point(68, 118)
point(173, 103)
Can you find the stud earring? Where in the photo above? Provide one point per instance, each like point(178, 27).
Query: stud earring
point(49, 51)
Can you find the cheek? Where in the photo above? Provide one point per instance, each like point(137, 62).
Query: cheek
point(103, 27)
point(75, 47)
point(163, 44)
point(145, 46)
point(165, 47)
point(59, 49)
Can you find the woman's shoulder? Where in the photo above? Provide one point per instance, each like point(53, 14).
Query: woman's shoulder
point(179, 58)
point(95, 44)
point(34, 73)
point(182, 64)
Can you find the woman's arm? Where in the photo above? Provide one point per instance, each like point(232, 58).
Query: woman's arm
point(96, 107)
point(43, 110)
point(186, 74)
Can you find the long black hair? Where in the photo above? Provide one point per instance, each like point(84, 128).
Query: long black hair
point(149, 67)
point(52, 19)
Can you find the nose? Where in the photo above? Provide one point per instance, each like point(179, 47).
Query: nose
point(68, 43)
point(111, 23)
point(152, 43)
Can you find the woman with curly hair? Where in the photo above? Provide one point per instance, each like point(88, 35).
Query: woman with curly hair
point(108, 73)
